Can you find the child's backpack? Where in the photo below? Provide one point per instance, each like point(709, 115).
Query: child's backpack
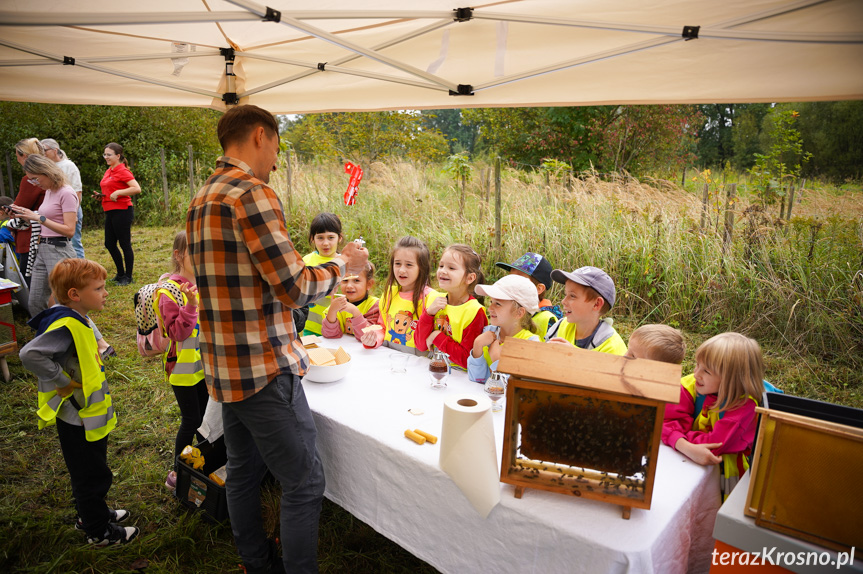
point(151, 336)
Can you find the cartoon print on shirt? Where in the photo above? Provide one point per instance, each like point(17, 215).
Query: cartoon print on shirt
point(442, 324)
point(402, 327)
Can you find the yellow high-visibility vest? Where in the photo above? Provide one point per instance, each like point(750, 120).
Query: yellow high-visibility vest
point(97, 412)
point(189, 369)
point(613, 343)
point(344, 318)
point(400, 319)
point(523, 334)
point(542, 319)
point(318, 309)
point(734, 464)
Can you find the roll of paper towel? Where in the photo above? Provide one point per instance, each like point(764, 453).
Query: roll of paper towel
point(467, 450)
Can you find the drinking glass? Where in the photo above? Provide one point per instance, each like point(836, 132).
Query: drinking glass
point(439, 369)
point(398, 362)
point(495, 389)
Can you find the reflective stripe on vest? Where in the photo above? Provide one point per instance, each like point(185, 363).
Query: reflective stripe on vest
point(189, 368)
point(318, 309)
point(605, 340)
point(97, 413)
point(523, 334)
point(400, 319)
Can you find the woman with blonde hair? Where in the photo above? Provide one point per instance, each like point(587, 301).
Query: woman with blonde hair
point(57, 216)
point(29, 196)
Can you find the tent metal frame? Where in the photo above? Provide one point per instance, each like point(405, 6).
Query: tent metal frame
point(252, 11)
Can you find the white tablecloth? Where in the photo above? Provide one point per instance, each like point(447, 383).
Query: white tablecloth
point(397, 487)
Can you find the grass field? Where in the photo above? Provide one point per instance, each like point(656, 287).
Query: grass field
point(36, 508)
point(796, 286)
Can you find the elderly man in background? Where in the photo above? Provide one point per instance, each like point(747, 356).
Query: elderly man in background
point(73, 178)
point(249, 277)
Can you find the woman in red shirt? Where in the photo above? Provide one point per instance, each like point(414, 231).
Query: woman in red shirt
point(29, 196)
point(118, 186)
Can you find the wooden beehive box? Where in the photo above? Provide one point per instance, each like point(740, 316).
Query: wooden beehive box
point(806, 472)
point(584, 423)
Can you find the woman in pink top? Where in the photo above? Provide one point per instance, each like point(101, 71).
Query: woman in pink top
point(57, 216)
point(118, 186)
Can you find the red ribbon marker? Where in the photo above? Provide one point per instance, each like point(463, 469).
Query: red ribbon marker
point(354, 184)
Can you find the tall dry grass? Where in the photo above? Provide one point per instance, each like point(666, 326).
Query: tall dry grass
point(796, 284)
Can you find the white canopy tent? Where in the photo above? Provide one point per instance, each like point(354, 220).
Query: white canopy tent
point(391, 54)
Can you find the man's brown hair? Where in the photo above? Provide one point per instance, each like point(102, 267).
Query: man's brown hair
point(74, 274)
point(661, 343)
point(239, 122)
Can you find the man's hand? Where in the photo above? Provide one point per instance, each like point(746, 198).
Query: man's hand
point(700, 453)
point(559, 341)
point(355, 258)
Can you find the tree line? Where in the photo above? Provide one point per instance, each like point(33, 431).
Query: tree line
point(655, 139)
point(642, 140)
point(83, 131)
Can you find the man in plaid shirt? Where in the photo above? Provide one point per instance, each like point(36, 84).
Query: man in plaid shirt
point(249, 277)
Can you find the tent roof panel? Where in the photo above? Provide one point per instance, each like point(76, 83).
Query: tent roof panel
point(598, 52)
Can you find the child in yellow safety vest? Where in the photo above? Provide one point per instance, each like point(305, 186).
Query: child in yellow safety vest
point(537, 268)
point(405, 295)
point(325, 233)
point(355, 307)
point(452, 323)
point(589, 293)
point(184, 369)
point(513, 302)
point(715, 420)
point(74, 395)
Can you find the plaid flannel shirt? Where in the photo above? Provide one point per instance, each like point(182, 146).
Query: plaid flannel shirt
point(249, 276)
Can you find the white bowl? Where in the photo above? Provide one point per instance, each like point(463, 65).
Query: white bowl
point(319, 374)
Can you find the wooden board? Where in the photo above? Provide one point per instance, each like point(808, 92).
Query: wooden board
point(567, 365)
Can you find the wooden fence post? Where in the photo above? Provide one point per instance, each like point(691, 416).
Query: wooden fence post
point(497, 241)
point(9, 174)
point(487, 184)
point(165, 179)
point(683, 180)
point(704, 201)
point(790, 202)
point(191, 172)
point(730, 200)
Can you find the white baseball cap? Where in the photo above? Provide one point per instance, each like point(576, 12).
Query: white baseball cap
point(513, 288)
